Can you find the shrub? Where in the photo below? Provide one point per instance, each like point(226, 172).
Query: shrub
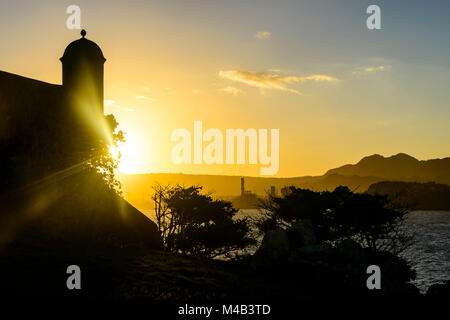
point(193, 223)
point(340, 214)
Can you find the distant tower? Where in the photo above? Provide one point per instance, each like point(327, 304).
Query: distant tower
point(272, 191)
point(242, 186)
point(83, 74)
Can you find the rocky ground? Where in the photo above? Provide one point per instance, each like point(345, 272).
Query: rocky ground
point(126, 274)
point(289, 265)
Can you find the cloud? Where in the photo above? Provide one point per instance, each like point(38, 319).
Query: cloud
point(272, 81)
point(262, 35)
point(232, 90)
point(373, 69)
point(197, 91)
point(145, 98)
point(108, 102)
point(314, 78)
point(362, 70)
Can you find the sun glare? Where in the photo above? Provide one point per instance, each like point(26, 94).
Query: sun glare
point(128, 154)
point(115, 152)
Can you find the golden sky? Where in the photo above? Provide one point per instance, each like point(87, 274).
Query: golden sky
point(335, 90)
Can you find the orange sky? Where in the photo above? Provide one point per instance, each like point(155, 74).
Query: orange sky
point(335, 90)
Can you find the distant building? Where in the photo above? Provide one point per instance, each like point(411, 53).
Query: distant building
point(243, 191)
point(273, 191)
point(247, 199)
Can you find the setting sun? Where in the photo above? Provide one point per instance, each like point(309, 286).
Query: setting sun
point(129, 154)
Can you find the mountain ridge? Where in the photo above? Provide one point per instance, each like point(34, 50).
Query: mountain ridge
point(399, 166)
point(358, 177)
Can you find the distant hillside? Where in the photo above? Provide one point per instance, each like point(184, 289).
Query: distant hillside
point(400, 167)
point(413, 195)
point(138, 188)
point(358, 177)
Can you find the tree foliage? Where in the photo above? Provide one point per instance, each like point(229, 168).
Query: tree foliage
point(340, 214)
point(191, 222)
point(55, 147)
point(100, 157)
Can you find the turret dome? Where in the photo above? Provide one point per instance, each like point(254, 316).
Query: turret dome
point(83, 48)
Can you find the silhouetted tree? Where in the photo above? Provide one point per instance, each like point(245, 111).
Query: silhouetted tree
point(193, 223)
point(100, 157)
point(58, 147)
point(340, 214)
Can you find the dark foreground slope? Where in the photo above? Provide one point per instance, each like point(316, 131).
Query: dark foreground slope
point(112, 273)
point(137, 274)
point(78, 210)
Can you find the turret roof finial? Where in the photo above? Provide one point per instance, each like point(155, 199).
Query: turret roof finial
point(83, 33)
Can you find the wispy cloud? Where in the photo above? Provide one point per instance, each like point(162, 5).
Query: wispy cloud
point(373, 69)
point(313, 77)
point(261, 35)
point(232, 90)
point(272, 81)
point(145, 98)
